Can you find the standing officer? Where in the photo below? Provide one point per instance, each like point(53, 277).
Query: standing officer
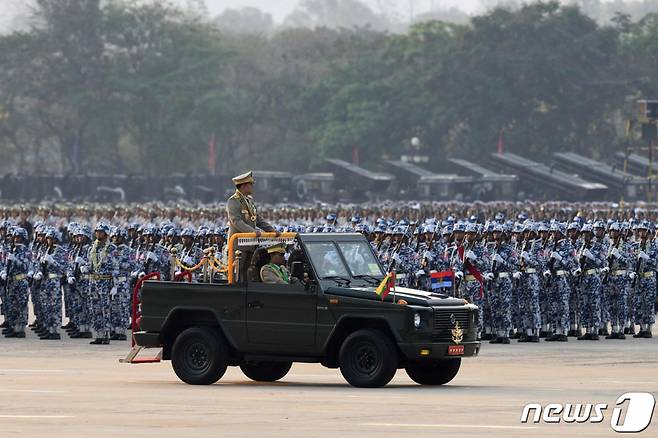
point(644, 281)
point(592, 259)
point(243, 216)
point(561, 262)
point(619, 264)
point(531, 263)
point(52, 267)
point(503, 262)
point(14, 274)
point(102, 267)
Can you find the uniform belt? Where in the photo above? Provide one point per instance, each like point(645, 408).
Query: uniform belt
point(470, 278)
point(591, 271)
point(20, 277)
point(530, 271)
point(503, 274)
point(560, 273)
point(86, 277)
point(620, 272)
point(52, 276)
point(99, 277)
point(121, 279)
point(648, 274)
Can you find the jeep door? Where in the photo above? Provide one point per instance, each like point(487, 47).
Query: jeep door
point(281, 318)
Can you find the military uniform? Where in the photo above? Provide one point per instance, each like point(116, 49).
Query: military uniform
point(102, 268)
point(53, 265)
point(564, 261)
point(531, 264)
point(243, 217)
point(645, 286)
point(14, 272)
point(590, 288)
point(615, 290)
point(501, 292)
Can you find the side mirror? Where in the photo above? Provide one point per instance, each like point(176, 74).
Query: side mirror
point(297, 270)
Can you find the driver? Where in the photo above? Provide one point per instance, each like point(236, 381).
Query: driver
point(275, 272)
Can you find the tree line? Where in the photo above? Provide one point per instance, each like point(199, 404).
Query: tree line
point(116, 86)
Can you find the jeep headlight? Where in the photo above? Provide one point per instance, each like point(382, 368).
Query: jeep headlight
point(417, 320)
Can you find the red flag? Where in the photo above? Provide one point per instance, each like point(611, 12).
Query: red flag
point(212, 155)
point(355, 155)
point(500, 146)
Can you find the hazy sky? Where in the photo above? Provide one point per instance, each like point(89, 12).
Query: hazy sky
point(281, 8)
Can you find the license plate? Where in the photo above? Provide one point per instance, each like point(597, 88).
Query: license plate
point(455, 350)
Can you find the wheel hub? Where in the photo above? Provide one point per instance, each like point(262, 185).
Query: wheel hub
point(198, 356)
point(366, 359)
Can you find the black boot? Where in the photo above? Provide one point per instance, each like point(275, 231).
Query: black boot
point(504, 340)
point(603, 332)
point(496, 340)
point(533, 338)
point(585, 337)
point(97, 341)
point(573, 333)
point(523, 338)
point(647, 335)
point(639, 334)
point(20, 335)
point(122, 338)
point(487, 336)
point(52, 337)
point(561, 338)
point(594, 337)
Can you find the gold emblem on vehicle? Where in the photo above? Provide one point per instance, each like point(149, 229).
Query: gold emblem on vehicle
point(457, 334)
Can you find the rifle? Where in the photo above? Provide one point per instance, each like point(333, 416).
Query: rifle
point(522, 264)
point(7, 281)
point(638, 266)
point(581, 260)
point(469, 246)
point(494, 264)
point(611, 259)
point(551, 264)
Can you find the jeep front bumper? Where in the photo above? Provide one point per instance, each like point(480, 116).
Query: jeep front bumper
point(439, 350)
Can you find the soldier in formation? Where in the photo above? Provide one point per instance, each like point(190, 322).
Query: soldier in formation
point(547, 273)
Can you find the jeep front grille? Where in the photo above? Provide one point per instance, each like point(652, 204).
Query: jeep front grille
point(443, 318)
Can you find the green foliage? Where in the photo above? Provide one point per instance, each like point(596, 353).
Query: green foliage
point(141, 87)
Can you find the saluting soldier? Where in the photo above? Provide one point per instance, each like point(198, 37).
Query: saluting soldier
point(243, 216)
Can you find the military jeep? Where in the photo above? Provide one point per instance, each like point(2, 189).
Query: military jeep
point(334, 318)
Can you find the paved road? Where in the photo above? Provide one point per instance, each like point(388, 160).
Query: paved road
point(71, 389)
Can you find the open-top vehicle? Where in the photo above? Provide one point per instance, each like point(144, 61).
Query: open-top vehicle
point(334, 318)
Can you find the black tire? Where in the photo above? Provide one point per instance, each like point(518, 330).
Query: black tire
point(368, 359)
point(199, 356)
point(265, 371)
point(435, 372)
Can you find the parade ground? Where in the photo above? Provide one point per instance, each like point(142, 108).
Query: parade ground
point(71, 389)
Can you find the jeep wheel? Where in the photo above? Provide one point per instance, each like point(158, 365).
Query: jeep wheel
point(368, 359)
point(265, 371)
point(435, 372)
point(199, 356)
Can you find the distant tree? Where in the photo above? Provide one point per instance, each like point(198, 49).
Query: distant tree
point(335, 14)
point(245, 20)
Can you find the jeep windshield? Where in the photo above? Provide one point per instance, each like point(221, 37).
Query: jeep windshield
point(344, 259)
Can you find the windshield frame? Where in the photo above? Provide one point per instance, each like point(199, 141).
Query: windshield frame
point(341, 255)
point(359, 276)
